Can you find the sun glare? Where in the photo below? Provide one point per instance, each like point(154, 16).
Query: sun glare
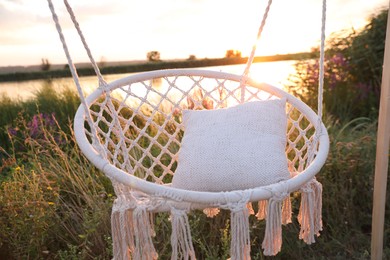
point(127, 30)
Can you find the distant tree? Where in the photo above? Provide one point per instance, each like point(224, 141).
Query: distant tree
point(233, 54)
point(45, 64)
point(153, 56)
point(192, 57)
point(103, 62)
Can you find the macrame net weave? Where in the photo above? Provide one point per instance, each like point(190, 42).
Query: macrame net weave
point(132, 129)
point(139, 124)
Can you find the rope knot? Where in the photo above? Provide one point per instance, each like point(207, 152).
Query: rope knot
point(233, 204)
point(307, 188)
point(178, 212)
point(279, 191)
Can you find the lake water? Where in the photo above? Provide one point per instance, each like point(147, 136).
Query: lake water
point(274, 73)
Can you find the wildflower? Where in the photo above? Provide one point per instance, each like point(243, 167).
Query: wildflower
point(176, 111)
point(34, 126)
point(12, 131)
point(208, 103)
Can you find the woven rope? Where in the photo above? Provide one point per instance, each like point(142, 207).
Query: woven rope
point(143, 134)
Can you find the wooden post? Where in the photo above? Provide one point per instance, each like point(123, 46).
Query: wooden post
point(382, 157)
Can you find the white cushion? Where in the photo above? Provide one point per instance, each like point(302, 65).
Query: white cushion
point(233, 148)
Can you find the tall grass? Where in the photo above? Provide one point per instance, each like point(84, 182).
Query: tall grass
point(46, 100)
point(52, 199)
point(56, 205)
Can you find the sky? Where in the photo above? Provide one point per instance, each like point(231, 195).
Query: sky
point(122, 30)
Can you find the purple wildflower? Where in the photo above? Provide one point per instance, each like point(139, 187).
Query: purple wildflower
point(12, 131)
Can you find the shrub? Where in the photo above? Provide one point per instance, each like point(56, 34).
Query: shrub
point(153, 56)
point(353, 70)
point(45, 64)
point(52, 198)
point(233, 54)
point(340, 94)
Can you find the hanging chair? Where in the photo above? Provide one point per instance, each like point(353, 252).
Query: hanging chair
point(184, 139)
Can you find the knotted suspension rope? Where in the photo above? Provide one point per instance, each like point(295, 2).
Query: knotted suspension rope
point(75, 76)
point(321, 76)
point(102, 82)
point(322, 65)
point(321, 61)
point(260, 31)
point(252, 56)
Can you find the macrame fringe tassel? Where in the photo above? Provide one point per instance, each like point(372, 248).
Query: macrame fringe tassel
point(181, 239)
point(122, 223)
point(272, 242)
point(120, 247)
point(317, 187)
point(151, 220)
point(240, 240)
point(211, 212)
point(286, 211)
point(143, 232)
point(262, 210)
point(310, 211)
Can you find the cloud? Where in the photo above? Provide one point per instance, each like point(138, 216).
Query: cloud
point(15, 15)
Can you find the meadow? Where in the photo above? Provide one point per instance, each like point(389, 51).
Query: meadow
point(55, 205)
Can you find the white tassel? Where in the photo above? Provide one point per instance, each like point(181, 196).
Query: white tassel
point(286, 211)
point(262, 210)
point(272, 242)
point(143, 232)
point(317, 188)
point(122, 226)
point(181, 239)
point(151, 219)
point(120, 249)
point(211, 212)
point(310, 211)
point(240, 240)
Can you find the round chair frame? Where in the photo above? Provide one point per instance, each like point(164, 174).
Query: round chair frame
point(202, 199)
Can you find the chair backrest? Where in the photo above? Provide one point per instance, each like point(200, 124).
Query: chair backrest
point(138, 120)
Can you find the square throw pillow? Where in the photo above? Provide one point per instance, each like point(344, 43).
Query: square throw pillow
point(234, 148)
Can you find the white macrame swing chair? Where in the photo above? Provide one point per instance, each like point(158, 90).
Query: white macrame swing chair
point(184, 139)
